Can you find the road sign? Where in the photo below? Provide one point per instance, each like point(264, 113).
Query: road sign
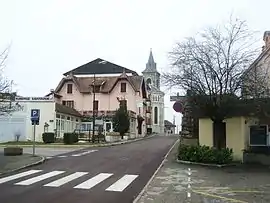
point(35, 115)
point(177, 98)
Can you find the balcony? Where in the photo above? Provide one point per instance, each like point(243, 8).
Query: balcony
point(132, 114)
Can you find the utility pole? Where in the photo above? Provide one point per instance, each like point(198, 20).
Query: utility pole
point(10, 95)
point(94, 112)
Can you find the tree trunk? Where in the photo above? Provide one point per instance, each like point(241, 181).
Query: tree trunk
point(219, 134)
point(122, 135)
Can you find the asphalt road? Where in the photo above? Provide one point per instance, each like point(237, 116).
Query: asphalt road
point(95, 175)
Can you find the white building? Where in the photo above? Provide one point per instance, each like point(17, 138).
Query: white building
point(54, 117)
point(152, 77)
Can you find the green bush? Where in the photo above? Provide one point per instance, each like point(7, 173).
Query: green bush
point(70, 138)
point(48, 137)
point(204, 154)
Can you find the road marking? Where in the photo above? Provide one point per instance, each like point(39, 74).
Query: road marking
point(49, 157)
point(39, 178)
point(122, 183)
point(19, 175)
point(189, 184)
point(66, 179)
point(94, 181)
point(219, 197)
point(62, 156)
point(84, 153)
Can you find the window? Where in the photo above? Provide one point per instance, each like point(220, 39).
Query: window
point(69, 88)
point(96, 105)
point(258, 135)
point(155, 115)
point(148, 81)
point(96, 88)
point(123, 87)
point(68, 103)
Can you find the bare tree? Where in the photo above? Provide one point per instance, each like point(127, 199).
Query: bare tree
point(210, 67)
point(6, 95)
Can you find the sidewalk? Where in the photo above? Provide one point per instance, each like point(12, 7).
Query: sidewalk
point(180, 183)
point(168, 186)
point(11, 163)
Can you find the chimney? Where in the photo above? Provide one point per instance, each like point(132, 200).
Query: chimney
point(266, 39)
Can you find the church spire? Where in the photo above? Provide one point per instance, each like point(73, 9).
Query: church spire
point(151, 65)
point(151, 58)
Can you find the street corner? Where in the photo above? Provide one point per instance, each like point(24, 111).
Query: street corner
point(176, 183)
point(14, 163)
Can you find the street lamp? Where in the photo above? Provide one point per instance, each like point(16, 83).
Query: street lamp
point(94, 111)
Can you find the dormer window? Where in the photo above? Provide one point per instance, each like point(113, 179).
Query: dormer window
point(69, 88)
point(123, 87)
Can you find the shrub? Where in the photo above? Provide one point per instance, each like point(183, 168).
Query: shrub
point(48, 137)
point(204, 154)
point(121, 121)
point(71, 138)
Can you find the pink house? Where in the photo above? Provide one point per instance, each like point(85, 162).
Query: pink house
point(111, 85)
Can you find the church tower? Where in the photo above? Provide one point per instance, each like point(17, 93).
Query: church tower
point(151, 75)
point(152, 78)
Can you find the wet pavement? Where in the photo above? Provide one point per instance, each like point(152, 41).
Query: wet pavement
point(177, 183)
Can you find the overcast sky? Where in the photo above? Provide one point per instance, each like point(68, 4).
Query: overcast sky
point(50, 37)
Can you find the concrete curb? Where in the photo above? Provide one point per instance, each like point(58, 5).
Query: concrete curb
point(204, 164)
point(155, 173)
point(42, 160)
point(86, 146)
point(127, 141)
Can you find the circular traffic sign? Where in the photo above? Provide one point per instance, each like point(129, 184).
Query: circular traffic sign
point(178, 107)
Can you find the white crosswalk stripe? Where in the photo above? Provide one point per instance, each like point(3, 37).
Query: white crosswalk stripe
point(94, 181)
point(122, 183)
point(40, 178)
point(84, 153)
point(66, 179)
point(19, 175)
point(119, 186)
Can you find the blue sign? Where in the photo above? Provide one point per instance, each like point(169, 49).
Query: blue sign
point(35, 114)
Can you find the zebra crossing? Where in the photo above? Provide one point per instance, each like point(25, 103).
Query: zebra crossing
point(118, 186)
point(73, 155)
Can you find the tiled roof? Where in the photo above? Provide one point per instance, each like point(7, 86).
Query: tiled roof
point(59, 108)
point(106, 83)
point(99, 66)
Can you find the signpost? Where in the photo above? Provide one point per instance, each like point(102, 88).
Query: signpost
point(35, 116)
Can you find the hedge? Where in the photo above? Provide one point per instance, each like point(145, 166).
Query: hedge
point(205, 154)
point(70, 138)
point(48, 137)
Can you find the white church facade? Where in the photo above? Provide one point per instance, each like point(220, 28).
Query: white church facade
point(152, 78)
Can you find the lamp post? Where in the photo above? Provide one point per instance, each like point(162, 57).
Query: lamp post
point(94, 111)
